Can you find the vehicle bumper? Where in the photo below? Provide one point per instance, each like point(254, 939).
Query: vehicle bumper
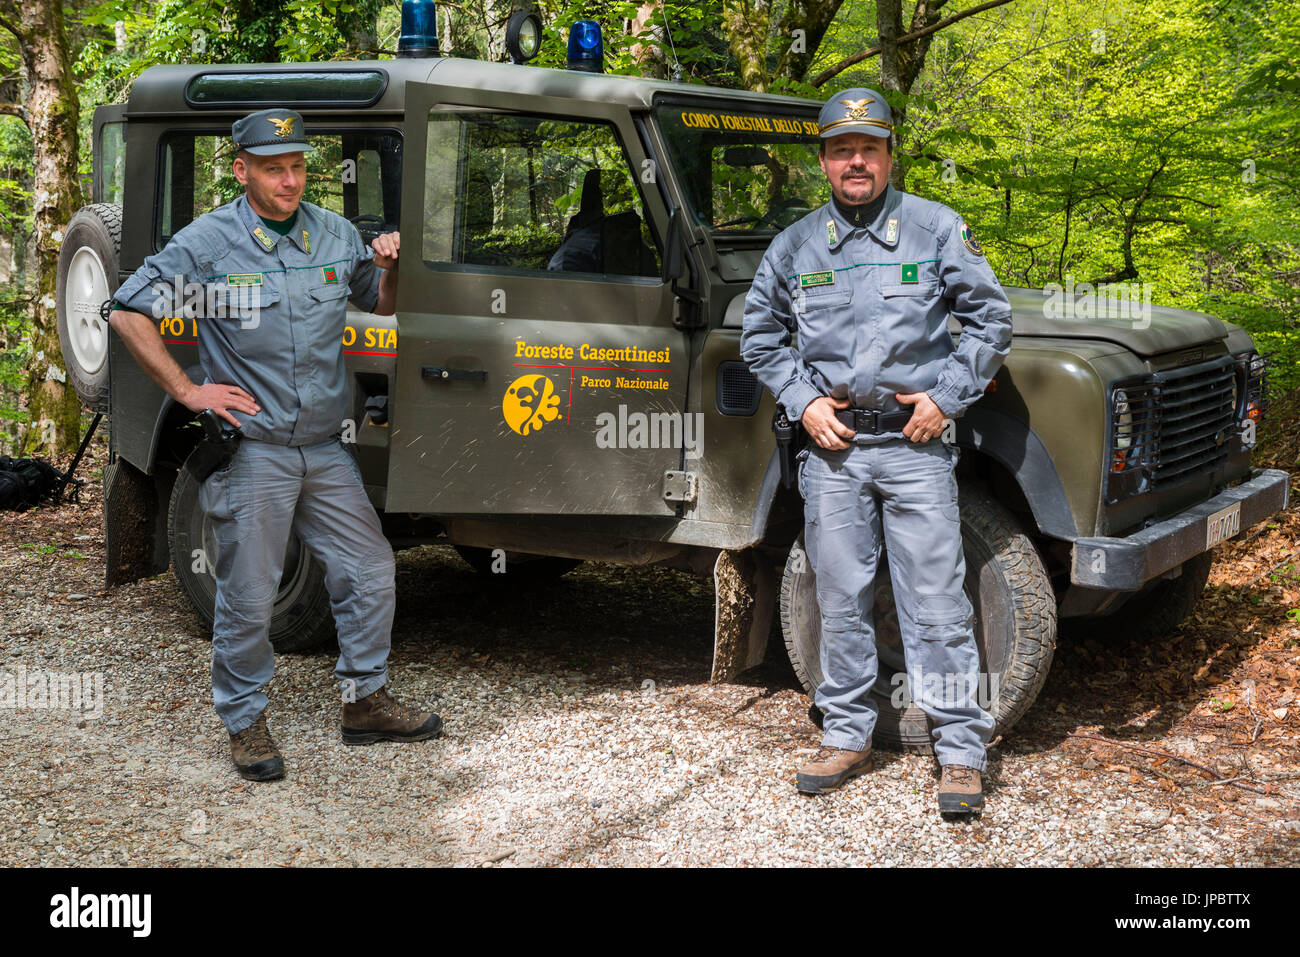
point(1126, 564)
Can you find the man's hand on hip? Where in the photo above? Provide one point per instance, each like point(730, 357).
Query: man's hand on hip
point(927, 420)
point(219, 398)
point(386, 247)
point(819, 422)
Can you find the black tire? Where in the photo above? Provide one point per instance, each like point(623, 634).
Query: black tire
point(521, 568)
point(1152, 613)
point(88, 262)
point(1015, 622)
point(301, 619)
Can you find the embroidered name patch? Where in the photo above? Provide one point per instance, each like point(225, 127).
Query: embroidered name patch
point(824, 278)
point(244, 279)
point(329, 274)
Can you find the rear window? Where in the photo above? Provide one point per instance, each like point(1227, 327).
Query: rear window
point(355, 173)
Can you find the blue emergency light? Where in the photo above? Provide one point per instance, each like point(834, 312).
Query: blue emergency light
point(586, 48)
point(419, 29)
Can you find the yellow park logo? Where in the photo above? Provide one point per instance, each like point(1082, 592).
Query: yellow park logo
point(529, 403)
point(283, 127)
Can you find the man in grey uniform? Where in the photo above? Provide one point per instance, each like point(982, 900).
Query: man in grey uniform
point(275, 274)
point(868, 282)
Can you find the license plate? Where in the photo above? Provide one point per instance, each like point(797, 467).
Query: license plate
point(1222, 525)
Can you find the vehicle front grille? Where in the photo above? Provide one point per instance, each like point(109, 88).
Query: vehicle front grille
point(1171, 424)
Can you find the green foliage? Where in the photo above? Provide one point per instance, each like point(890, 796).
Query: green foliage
point(1145, 143)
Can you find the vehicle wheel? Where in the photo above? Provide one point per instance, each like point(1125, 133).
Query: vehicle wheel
point(301, 618)
point(87, 276)
point(1151, 613)
point(1015, 623)
point(521, 568)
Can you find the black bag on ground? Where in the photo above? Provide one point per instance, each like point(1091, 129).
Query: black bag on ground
point(26, 482)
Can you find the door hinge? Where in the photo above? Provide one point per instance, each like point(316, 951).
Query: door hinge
point(680, 486)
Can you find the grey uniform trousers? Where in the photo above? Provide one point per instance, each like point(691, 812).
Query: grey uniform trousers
point(267, 491)
point(908, 492)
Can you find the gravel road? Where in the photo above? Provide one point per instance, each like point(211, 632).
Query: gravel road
point(581, 730)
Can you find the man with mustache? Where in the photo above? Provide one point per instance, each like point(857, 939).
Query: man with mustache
point(868, 282)
point(275, 373)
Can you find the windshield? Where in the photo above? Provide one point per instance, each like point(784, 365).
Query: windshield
point(745, 172)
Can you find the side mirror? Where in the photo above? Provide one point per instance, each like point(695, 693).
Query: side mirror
point(674, 257)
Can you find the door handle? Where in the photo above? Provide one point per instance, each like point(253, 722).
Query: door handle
point(462, 375)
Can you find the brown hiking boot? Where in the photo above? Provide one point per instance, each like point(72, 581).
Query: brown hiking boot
point(829, 768)
point(381, 717)
point(255, 755)
point(961, 790)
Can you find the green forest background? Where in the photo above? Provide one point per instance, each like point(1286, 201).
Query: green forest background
point(1101, 141)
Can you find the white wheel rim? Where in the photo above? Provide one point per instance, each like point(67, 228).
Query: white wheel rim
point(84, 291)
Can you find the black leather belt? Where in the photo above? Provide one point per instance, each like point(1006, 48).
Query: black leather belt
point(873, 421)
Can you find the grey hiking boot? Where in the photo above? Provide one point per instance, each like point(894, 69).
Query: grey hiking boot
point(381, 717)
point(255, 755)
point(961, 790)
point(829, 768)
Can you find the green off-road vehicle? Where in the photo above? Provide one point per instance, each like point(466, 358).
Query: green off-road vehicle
point(562, 379)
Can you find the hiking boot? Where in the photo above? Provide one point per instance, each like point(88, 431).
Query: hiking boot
point(255, 755)
point(829, 768)
point(381, 717)
point(961, 790)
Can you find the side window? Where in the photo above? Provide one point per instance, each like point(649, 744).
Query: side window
point(533, 194)
point(111, 171)
point(357, 174)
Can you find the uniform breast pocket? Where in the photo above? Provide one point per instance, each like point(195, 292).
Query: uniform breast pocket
point(824, 313)
point(911, 290)
point(328, 292)
point(240, 304)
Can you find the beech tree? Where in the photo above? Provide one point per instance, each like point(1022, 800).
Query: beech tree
point(51, 111)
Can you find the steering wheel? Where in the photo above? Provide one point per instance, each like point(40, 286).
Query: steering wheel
point(368, 225)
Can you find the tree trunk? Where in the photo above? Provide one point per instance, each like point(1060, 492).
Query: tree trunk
point(746, 23)
point(652, 59)
point(54, 411)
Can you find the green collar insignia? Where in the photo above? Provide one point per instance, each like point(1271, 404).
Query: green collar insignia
point(306, 242)
point(825, 277)
point(266, 240)
point(891, 231)
point(832, 236)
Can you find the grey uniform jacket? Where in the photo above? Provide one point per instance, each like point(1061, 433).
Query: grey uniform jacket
point(271, 312)
point(871, 305)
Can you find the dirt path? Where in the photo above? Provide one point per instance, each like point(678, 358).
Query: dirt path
point(581, 730)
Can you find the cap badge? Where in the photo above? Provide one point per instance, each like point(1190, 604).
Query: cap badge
point(858, 108)
point(283, 127)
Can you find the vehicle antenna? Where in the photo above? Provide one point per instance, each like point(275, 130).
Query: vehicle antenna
point(677, 67)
